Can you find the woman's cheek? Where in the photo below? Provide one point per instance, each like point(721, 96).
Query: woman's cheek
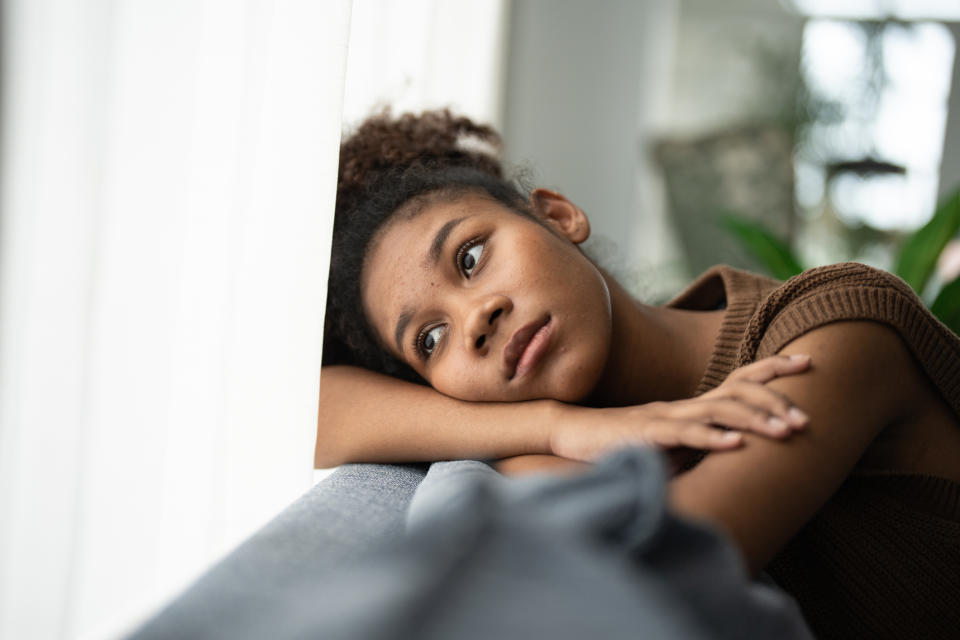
point(460, 383)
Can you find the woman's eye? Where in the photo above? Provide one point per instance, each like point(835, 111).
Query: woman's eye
point(470, 257)
point(430, 339)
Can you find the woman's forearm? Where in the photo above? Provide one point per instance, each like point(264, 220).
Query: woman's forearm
point(368, 417)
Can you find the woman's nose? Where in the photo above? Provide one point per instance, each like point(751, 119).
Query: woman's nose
point(482, 322)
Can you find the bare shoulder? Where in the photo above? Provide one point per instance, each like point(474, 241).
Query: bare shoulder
point(866, 340)
point(865, 358)
point(858, 383)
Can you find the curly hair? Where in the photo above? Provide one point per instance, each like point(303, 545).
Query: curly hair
point(390, 165)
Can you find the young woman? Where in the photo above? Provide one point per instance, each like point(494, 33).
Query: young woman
point(842, 477)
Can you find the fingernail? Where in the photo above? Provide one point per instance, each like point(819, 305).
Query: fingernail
point(797, 418)
point(800, 357)
point(731, 436)
point(777, 425)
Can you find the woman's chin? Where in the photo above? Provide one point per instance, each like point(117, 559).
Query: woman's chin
point(575, 395)
point(574, 388)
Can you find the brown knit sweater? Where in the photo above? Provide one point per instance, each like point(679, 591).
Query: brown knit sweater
point(881, 559)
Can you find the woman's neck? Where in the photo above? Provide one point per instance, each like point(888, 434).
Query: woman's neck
point(656, 353)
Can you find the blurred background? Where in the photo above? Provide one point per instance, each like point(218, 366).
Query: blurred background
point(696, 132)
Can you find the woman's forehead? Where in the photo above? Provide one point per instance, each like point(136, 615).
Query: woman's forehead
point(421, 227)
point(435, 207)
point(405, 236)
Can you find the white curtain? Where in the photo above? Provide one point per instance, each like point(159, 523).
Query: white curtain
point(168, 180)
point(427, 54)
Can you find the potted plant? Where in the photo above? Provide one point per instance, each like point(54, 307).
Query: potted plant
point(915, 261)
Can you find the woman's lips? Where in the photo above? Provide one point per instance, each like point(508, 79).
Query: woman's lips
point(526, 347)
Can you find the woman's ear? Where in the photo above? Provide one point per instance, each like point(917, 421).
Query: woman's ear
point(561, 214)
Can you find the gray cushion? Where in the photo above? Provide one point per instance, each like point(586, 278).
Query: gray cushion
point(348, 513)
point(594, 555)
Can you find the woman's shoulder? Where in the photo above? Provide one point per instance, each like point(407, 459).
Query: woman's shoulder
point(843, 278)
point(763, 315)
point(725, 284)
point(844, 291)
point(855, 292)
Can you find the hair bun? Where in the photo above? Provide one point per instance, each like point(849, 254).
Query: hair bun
point(385, 143)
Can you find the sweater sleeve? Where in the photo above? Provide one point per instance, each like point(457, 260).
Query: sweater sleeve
point(851, 291)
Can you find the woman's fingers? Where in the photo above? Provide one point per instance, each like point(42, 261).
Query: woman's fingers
point(743, 402)
point(774, 403)
point(691, 434)
point(734, 414)
point(769, 368)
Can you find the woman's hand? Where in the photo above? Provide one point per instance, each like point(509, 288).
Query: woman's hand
point(708, 422)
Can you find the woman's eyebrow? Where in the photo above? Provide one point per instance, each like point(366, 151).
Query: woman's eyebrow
point(437, 245)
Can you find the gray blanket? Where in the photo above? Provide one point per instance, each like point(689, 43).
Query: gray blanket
point(483, 556)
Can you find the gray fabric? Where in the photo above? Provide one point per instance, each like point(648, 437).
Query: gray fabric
point(679, 572)
point(342, 518)
point(595, 555)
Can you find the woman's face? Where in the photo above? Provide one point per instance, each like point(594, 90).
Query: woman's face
point(487, 304)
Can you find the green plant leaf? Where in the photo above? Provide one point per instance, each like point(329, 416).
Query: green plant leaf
point(947, 305)
point(919, 253)
point(772, 252)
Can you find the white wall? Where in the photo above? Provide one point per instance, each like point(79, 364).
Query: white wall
point(722, 52)
point(592, 86)
point(588, 85)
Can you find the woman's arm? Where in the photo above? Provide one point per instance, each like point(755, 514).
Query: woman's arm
point(862, 379)
point(742, 391)
point(538, 463)
point(368, 417)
